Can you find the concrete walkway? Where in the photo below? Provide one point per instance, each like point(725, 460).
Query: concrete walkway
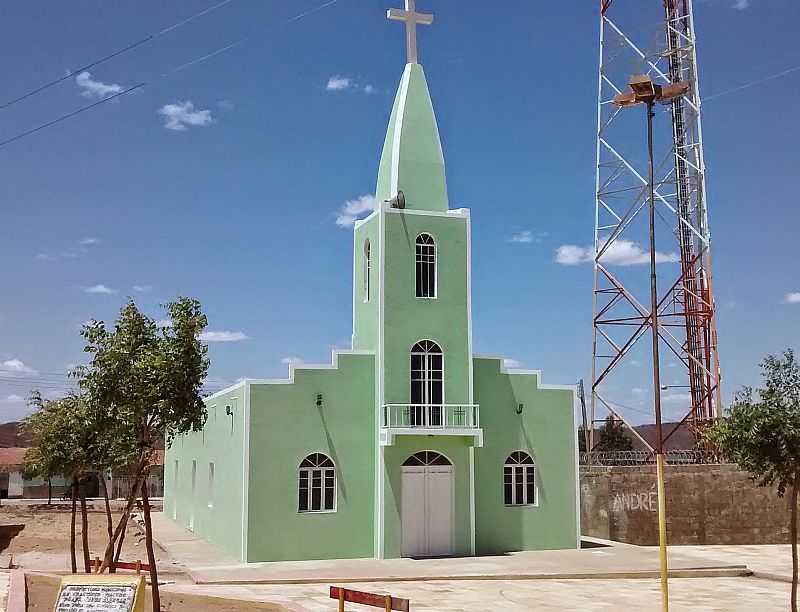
point(686, 595)
point(206, 565)
point(4, 580)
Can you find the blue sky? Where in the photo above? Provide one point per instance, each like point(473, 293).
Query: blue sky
point(224, 180)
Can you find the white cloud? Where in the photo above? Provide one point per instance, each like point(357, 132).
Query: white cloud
point(792, 298)
point(619, 253)
point(293, 361)
point(339, 83)
point(15, 367)
point(740, 5)
point(182, 114)
point(527, 237)
point(43, 257)
point(511, 364)
point(102, 289)
point(164, 323)
point(89, 241)
point(142, 288)
point(15, 399)
point(354, 209)
point(95, 89)
point(675, 398)
point(223, 336)
point(638, 391)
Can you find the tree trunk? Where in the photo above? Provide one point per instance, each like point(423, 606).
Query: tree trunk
point(151, 557)
point(49, 491)
point(85, 532)
point(793, 535)
point(109, 523)
point(108, 556)
point(72, 530)
point(121, 540)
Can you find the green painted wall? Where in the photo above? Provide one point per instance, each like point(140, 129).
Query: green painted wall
point(408, 319)
point(217, 513)
point(454, 448)
point(365, 313)
point(546, 430)
point(286, 426)
point(413, 147)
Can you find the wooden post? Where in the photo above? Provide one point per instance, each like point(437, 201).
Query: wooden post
point(341, 599)
point(138, 566)
point(388, 603)
point(97, 564)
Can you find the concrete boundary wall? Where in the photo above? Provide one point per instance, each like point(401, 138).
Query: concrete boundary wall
point(706, 504)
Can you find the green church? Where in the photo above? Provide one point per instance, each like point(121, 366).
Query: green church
point(408, 445)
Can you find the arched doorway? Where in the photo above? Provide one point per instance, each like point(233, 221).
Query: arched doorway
point(427, 505)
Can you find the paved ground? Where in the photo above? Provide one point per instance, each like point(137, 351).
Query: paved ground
point(207, 566)
point(4, 577)
point(687, 594)
point(542, 580)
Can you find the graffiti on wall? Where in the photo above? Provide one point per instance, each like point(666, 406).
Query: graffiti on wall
point(636, 501)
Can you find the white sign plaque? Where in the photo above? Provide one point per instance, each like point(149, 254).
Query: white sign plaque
point(96, 598)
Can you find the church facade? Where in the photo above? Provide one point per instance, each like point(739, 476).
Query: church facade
point(408, 445)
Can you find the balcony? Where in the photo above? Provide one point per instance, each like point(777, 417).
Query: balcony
point(430, 419)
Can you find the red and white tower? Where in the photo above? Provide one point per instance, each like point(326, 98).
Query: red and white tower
point(657, 38)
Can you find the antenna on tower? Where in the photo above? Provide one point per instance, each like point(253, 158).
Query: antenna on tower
point(687, 332)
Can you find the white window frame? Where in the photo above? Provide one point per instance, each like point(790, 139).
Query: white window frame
point(419, 259)
point(426, 376)
point(211, 476)
point(309, 475)
point(523, 467)
point(367, 269)
point(426, 381)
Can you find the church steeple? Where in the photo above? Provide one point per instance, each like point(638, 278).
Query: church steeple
point(412, 159)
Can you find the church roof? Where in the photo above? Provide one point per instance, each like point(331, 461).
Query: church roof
point(412, 159)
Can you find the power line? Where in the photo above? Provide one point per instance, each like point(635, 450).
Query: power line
point(69, 115)
point(181, 67)
point(752, 83)
point(244, 39)
point(74, 72)
point(116, 53)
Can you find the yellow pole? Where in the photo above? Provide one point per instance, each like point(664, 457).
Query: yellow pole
point(341, 599)
point(662, 532)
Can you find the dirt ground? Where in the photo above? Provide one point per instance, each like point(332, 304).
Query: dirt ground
point(43, 543)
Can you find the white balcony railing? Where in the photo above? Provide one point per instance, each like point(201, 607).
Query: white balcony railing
point(431, 416)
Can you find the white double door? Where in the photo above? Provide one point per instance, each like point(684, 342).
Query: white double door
point(427, 511)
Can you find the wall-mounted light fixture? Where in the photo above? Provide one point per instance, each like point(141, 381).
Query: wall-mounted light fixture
point(318, 400)
point(519, 408)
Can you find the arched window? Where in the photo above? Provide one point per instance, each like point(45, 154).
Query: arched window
point(519, 480)
point(426, 266)
point(367, 270)
point(427, 458)
point(427, 384)
point(317, 491)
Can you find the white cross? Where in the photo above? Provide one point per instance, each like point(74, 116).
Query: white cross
point(412, 18)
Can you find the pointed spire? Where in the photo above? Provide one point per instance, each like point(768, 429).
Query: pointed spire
point(412, 159)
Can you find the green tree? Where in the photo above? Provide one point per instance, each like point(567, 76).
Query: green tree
point(148, 378)
point(612, 437)
point(761, 434)
point(61, 446)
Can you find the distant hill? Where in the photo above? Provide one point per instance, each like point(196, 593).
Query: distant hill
point(12, 435)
